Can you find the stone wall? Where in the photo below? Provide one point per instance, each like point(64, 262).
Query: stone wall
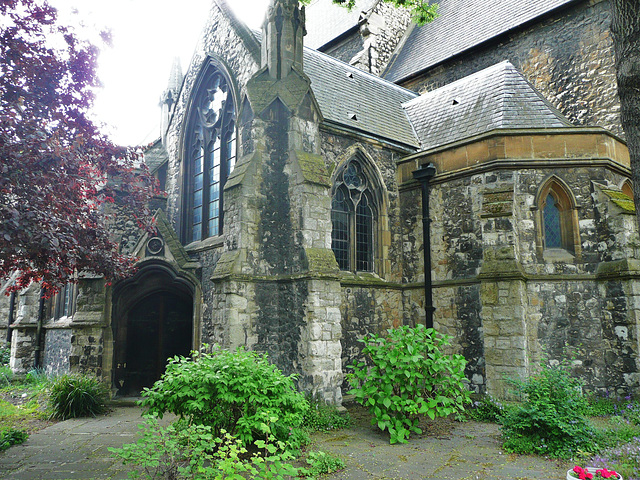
point(56, 351)
point(568, 57)
point(506, 304)
point(370, 47)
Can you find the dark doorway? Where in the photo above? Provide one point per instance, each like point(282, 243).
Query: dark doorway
point(152, 321)
point(158, 327)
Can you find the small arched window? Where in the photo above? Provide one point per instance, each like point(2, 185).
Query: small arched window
point(353, 218)
point(557, 219)
point(627, 189)
point(210, 155)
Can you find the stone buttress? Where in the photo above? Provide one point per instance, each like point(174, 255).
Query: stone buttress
point(277, 286)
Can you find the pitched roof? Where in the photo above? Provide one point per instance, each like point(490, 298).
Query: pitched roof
point(496, 97)
point(325, 21)
point(461, 25)
point(359, 100)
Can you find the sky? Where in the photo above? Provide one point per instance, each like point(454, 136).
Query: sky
point(147, 36)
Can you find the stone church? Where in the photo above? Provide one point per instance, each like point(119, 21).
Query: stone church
point(293, 221)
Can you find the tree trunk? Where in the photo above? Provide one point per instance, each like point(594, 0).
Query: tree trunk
point(625, 28)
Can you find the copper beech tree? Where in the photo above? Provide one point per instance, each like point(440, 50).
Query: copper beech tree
point(58, 173)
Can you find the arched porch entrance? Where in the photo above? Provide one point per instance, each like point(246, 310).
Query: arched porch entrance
point(153, 320)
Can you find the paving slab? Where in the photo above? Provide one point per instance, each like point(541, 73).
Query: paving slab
point(78, 450)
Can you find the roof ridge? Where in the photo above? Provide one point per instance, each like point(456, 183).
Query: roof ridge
point(360, 72)
point(460, 81)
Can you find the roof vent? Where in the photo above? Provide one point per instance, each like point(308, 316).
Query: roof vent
point(455, 101)
point(352, 116)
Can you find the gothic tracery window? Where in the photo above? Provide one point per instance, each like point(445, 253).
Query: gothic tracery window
point(210, 156)
point(557, 219)
point(353, 213)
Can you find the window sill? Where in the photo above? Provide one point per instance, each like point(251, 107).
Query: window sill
point(557, 255)
point(206, 244)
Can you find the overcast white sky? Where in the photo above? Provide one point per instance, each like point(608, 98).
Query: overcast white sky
point(147, 36)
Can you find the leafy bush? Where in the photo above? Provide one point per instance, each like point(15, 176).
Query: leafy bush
point(550, 420)
point(73, 396)
point(11, 436)
point(37, 377)
point(5, 354)
point(487, 409)
point(321, 463)
point(6, 375)
point(239, 392)
point(323, 417)
point(189, 451)
point(407, 377)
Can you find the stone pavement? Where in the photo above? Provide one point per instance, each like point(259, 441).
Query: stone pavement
point(77, 449)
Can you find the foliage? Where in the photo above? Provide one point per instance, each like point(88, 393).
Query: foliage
point(550, 421)
point(11, 436)
point(321, 463)
point(190, 451)
point(486, 409)
point(37, 377)
point(323, 417)
point(624, 459)
point(55, 161)
point(73, 396)
point(423, 11)
point(408, 377)
point(240, 392)
point(601, 405)
point(5, 354)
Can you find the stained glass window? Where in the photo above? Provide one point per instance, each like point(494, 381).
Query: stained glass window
point(552, 231)
point(213, 155)
point(352, 218)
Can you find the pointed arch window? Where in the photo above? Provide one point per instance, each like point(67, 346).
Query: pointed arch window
point(557, 219)
point(353, 219)
point(210, 156)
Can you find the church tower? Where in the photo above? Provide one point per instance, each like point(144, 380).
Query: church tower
point(277, 280)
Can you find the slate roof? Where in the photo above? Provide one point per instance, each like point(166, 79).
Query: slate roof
point(461, 25)
point(326, 21)
point(356, 99)
point(496, 97)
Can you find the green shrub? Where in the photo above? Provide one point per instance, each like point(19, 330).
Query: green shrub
point(190, 451)
point(550, 421)
point(486, 409)
point(323, 417)
point(11, 436)
point(240, 392)
point(73, 396)
point(321, 463)
point(5, 354)
point(408, 376)
point(6, 375)
point(37, 377)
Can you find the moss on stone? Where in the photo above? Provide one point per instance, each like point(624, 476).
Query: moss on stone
point(226, 264)
point(618, 268)
point(321, 260)
point(313, 168)
point(622, 200)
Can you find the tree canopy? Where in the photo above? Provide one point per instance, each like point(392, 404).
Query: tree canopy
point(423, 11)
point(57, 169)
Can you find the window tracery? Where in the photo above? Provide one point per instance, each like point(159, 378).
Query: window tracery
point(353, 215)
point(211, 155)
